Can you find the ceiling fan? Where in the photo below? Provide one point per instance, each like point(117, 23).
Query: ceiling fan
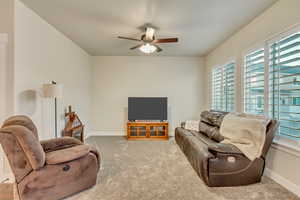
point(149, 42)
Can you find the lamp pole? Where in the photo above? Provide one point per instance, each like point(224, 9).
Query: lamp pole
point(55, 112)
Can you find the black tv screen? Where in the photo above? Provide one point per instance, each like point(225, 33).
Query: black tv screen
point(147, 108)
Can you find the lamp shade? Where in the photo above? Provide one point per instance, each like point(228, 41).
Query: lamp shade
point(53, 90)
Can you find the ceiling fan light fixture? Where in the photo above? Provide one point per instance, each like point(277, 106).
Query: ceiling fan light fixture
point(150, 33)
point(148, 48)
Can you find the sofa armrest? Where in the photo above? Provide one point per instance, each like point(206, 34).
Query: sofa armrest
point(59, 143)
point(224, 149)
point(67, 155)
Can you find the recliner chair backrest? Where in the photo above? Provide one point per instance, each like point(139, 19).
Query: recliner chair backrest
point(19, 139)
point(22, 121)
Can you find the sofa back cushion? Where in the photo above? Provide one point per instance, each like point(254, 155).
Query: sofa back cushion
point(213, 118)
point(211, 132)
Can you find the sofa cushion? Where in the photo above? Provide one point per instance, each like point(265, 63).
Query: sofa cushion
point(66, 155)
point(203, 138)
point(213, 118)
point(210, 131)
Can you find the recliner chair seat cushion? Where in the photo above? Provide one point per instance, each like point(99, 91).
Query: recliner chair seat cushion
point(66, 155)
point(59, 143)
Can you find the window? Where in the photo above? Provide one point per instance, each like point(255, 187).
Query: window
point(254, 82)
point(228, 87)
point(223, 88)
point(284, 84)
point(217, 89)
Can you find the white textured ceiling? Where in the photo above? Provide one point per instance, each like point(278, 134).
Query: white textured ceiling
point(200, 24)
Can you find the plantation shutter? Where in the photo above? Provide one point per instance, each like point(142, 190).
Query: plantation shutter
point(284, 84)
point(223, 92)
point(254, 82)
point(228, 87)
point(217, 89)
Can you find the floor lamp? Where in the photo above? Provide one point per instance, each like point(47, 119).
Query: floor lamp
point(53, 90)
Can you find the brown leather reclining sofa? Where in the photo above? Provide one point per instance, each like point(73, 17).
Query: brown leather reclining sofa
point(217, 164)
point(47, 170)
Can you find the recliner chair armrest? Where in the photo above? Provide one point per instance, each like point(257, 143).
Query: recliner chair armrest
point(30, 145)
point(224, 149)
point(67, 155)
point(59, 143)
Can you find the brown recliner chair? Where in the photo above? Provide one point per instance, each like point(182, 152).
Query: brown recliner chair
point(217, 164)
point(47, 170)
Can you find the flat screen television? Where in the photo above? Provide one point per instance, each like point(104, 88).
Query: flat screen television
point(147, 108)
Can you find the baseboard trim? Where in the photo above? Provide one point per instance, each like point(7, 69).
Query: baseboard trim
point(105, 133)
point(283, 181)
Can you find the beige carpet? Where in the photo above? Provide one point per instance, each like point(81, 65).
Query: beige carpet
point(158, 170)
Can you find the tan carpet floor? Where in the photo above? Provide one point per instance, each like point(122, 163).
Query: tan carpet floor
point(158, 170)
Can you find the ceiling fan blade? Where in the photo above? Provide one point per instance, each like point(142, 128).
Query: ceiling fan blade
point(135, 47)
point(165, 40)
point(158, 49)
point(127, 38)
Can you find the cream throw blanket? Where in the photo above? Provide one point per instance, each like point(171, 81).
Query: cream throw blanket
point(246, 132)
point(192, 125)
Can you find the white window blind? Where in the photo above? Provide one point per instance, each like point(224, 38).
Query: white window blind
point(284, 84)
point(217, 89)
point(228, 87)
point(223, 88)
point(254, 82)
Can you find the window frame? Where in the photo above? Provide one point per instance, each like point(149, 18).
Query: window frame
point(279, 139)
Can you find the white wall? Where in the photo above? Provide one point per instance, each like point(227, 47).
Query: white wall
point(117, 78)
point(6, 73)
point(282, 15)
point(4, 169)
point(3, 73)
point(43, 54)
point(7, 27)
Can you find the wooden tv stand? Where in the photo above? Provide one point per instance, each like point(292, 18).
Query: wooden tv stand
point(147, 130)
